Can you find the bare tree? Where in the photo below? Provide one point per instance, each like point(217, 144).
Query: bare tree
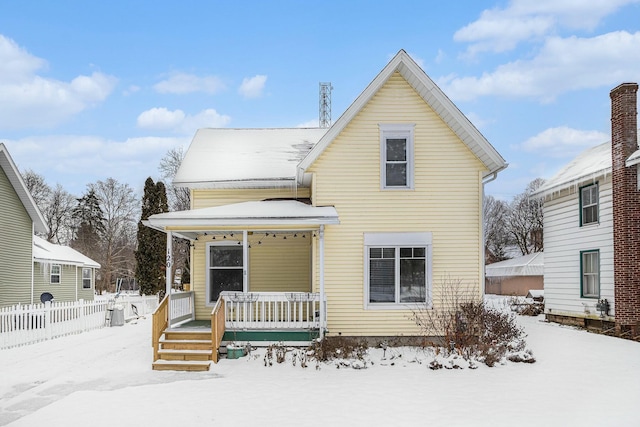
point(179, 197)
point(496, 229)
point(118, 205)
point(179, 200)
point(55, 204)
point(526, 219)
point(37, 186)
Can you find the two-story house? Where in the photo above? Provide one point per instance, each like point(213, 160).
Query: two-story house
point(592, 229)
point(345, 231)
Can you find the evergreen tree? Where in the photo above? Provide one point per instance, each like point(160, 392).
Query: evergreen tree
point(89, 225)
point(150, 255)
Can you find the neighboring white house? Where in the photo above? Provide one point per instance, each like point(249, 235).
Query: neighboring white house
point(583, 213)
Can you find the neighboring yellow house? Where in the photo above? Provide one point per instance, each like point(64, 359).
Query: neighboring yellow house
point(355, 226)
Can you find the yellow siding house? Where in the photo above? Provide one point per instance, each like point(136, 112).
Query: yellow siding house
point(345, 230)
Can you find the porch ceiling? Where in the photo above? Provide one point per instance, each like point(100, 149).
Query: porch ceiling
point(276, 213)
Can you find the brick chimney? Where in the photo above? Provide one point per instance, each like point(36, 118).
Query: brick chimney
point(626, 208)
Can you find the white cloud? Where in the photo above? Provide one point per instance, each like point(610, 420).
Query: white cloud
point(499, 30)
point(253, 87)
point(131, 90)
point(77, 160)
point(562, 65)
point(563, 141)
point(30, 100)
point(162, 119)
point(182, 83)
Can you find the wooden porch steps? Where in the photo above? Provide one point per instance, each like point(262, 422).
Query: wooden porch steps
point(184, 351)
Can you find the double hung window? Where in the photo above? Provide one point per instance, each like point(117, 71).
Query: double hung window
point(590, 273)
point(589, 204)
point(86, 278)
point(396, 152)
point(55, 274)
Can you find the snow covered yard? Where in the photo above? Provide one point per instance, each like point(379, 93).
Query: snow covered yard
point(104, 378)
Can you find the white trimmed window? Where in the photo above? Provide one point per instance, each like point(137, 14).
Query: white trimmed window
point(55, 274)
point(225, 270)
point(397, 270)
point(590, 273)
point(396, 156)
point(589, 204)
point(87, 278)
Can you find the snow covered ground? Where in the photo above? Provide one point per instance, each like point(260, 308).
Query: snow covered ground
point(104, 378)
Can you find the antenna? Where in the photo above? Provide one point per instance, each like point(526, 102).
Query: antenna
point(325, 104)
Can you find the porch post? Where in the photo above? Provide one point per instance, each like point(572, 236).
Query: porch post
point(245, 261)
point(169, 263)
point(322, 297)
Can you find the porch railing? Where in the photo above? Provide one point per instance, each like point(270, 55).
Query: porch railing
point(271, 310)
point(182, 307)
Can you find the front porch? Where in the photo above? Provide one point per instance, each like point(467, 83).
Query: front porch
point(180, 342)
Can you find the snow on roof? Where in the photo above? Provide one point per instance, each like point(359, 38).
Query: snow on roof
point(266, 212)
point(589, 165)
point(44, 251)
point(634, 159)
point(245, 157)
point(11, 171)
point(527, 265)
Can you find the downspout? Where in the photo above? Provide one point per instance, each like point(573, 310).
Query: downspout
point(484, 181)
point(322, 295)
point(33, 231)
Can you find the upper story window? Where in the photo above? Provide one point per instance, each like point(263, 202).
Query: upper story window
point(55, 274)
point(589, 204)
point(396, 156)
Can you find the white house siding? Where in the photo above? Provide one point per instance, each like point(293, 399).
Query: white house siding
point(446, 201)
point(16, 243)
point(563, 241)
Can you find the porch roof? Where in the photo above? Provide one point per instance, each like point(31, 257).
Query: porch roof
point(265, 212)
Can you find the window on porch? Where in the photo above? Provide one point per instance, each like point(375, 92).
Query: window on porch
point(225, 270)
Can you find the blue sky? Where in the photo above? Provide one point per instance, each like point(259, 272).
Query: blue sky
point(91, 90)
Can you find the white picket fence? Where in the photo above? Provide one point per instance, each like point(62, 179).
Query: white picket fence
point(27, 324)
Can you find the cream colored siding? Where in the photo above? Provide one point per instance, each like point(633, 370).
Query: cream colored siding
point(445, 201)
point(16, 231)
point(563, 241)
point(220, 197)
point(275, 265)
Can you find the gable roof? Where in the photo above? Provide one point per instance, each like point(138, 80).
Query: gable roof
point(245, 158)
point(588, 166)
point(47, 252)
point(432, 95)
point(10, 169)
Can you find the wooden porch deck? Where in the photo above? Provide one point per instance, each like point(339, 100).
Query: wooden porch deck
point(182, 343)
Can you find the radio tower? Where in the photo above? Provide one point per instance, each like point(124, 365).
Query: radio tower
point(325, 104)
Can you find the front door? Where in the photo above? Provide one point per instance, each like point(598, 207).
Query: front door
point(224, 270)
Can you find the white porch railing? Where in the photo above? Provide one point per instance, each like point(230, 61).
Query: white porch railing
point(271, 310)
point(181, 307)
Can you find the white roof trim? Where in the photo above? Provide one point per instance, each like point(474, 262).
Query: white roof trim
point(432, 95)
point(11, 170)
point(268, 212)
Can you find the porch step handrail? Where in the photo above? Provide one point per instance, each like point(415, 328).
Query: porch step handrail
point(217, 328)
point(160, 322)
point(271, 310)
